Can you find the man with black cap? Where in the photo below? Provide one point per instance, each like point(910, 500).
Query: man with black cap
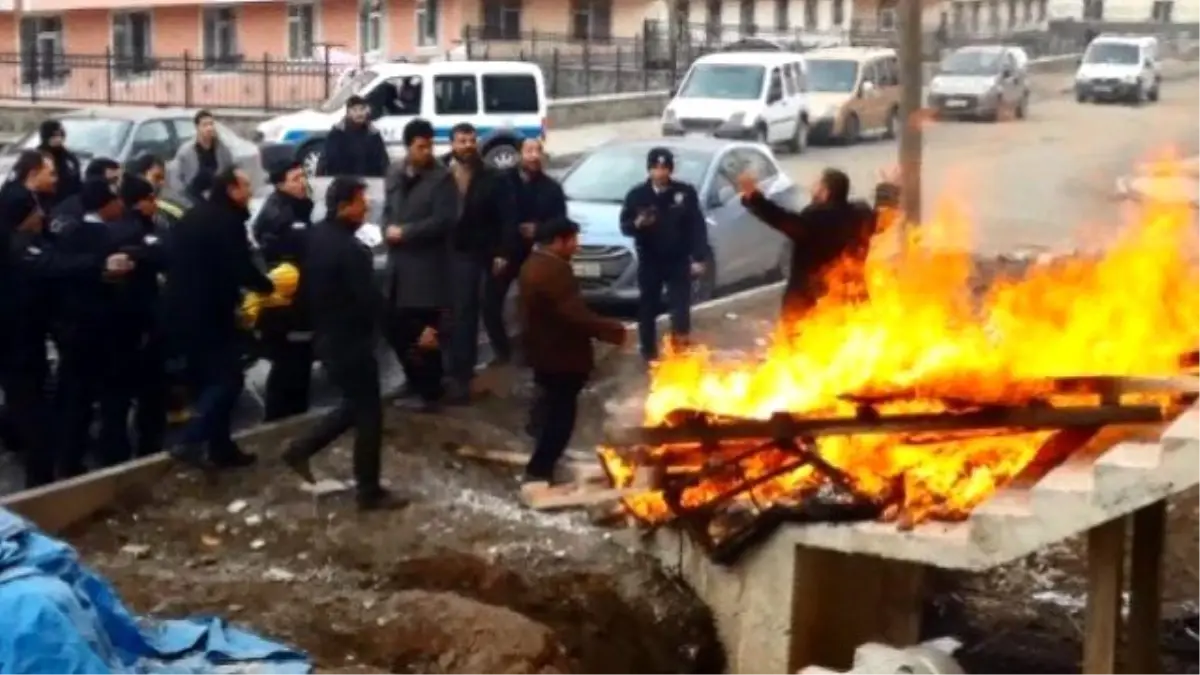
point(33, 267)
point(209, 263)
point(346, 306)
point(71, 209)
point(419, 213)
point(86, 322)
point(664, 219)
point(282, 230)
point(558, 329)
point(66, 164)
point(354, 147)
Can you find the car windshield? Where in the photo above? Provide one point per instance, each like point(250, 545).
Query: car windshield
point(714, 80)
point(607, 174)
point(972, 62)
point(354, 85)
point(89, 136)
point(1115, 53)
point(832, 75)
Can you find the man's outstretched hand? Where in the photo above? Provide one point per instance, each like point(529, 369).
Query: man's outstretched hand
point(747, 184)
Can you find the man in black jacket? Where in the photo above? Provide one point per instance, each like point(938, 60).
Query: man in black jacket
point(354, 147)
point(346, 304)
point(830, 236)
point(537, 199)
point(66, 164)
point(282, 230)
point(101, 170)
point(419, 213)
point(209, 264)
point(477, 248)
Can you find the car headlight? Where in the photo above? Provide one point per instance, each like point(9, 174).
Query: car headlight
point(1130, 79)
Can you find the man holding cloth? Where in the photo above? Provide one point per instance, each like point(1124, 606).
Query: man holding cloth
point(663, 217)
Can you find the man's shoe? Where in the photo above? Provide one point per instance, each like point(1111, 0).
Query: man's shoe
point(232, 458)
point(191, 454)
point(381, 500)
point(299, 465)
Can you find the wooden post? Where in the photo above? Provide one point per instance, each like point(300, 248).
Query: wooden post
point(1106, 562)
point(912, 84)
point(1145, 588)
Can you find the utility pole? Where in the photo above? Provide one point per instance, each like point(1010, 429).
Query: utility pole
point(912, 82)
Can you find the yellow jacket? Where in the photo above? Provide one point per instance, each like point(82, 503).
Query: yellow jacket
point(286, 279)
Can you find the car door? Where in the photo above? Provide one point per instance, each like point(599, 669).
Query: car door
point(183, 131)
point(1010, 80)
point(726, 218)
point(775, 113)
point(151, 137)
point(762, 244)
point(873, 103)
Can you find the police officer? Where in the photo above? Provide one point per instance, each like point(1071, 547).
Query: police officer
point(354, 146)
point(346, 305)
point(84, 327)
point(281, 230)
point(663, 217)
point(150, 168)
point(209, 263)
point(66, 164)
point(537, 199)
point(71, 209)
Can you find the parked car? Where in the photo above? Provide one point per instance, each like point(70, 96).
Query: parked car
point(124, 133)
point(1119, 68)
point(745, 95)
point(744, 249)
point(981, 82)
point(853, 92)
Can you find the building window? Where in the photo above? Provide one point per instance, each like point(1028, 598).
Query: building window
point(886, 15)
point(1161, 11)
point(839, 14)
point(301, 26)
point(591, 19)
point(781, 15)
point(1093, 9)
point(1028, 17)
point(220, 39)
point(455, 95)
point(1012, 13)
point(42, 60)
point(370, 26)
point(428, 18)
point(994, 16)
point(712, 22)
point(811, 18)
point(976, 8)
point(502, 19)
point(746, 17)
point(131, 44)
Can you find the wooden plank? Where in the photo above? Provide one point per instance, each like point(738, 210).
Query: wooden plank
point(1106, 561)
point(546, 497)
point(1145, 588)
point(790, 426)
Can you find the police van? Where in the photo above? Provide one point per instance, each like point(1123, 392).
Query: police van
point(504, 100)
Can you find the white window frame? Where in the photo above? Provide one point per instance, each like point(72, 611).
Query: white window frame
point(371, 11)
point(427, 17)
point(504, 11)
point(235, 49)
point(590, 9)
point(1162, 11)
point(60, 75)
point(124, 16)
point(293, 19)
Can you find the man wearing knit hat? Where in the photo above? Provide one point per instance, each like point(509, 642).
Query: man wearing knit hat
point(663, 217)
point(54, 143)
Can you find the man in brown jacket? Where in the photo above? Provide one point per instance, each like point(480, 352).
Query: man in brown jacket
point(558, 329)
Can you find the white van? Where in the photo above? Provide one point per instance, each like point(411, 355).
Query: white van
point(751, 95)
point(505, 100)
point(1119, 68)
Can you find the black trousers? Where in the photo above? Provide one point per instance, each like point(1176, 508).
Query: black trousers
point(355, 374)
point(135, 378)
point(83, 364)
point(652, 277)
point(495, 293)
point(290, 379)
point(28, 408)
point(553, 420)
point(467, 272)
point(423, 367)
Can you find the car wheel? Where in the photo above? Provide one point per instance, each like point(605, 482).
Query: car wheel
point(761, 136)
point(704, 287)
point(1139, 95)
point(850, 132)
point(309, 156)
point(893, 124)
point(502, 156)
point(1080, 97)
point(799, 142)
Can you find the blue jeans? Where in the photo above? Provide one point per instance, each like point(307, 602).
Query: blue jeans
point(653, 277)
point(215, 376)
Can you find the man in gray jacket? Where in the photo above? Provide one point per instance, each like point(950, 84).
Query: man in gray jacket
point(420, 211)
point(206, 154)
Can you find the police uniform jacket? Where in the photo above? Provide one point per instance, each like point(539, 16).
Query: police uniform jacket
point(136, 295)
point(342, 293)
point(677, 231)
point(282, 229)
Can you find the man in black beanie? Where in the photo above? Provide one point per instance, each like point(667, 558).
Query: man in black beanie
point(54, 144)
point(354, 146)
point(663, 217)
point(282, 231)
point(100, 169)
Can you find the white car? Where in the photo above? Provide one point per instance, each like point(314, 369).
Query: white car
point(1119, 68)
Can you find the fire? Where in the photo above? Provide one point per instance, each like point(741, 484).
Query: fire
point(1131, 311)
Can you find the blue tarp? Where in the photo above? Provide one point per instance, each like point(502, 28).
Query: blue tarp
point(57, 616)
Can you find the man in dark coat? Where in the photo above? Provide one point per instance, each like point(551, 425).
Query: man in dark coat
point(66, 164)
point(346, 306)
point(537, 199)
point(354, 147)
point(282, 230)
point(663, 217)
point(419, 213)
point(209, 264)
point(101, 170)
point(558, 329)
point(832, 235)
point(477, 248)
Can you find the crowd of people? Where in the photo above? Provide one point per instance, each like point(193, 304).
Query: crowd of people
point(139, 289)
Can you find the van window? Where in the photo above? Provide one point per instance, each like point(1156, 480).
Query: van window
point(789, 80)
point(510, 94)
point(870, 73)
point(832, 75)
point(891, 71)
point(776, 90)
point(1113, 53)
point(724, 81)
point(455, 95)
point(801, 79)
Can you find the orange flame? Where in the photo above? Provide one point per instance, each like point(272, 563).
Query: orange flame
point(1131, 311)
